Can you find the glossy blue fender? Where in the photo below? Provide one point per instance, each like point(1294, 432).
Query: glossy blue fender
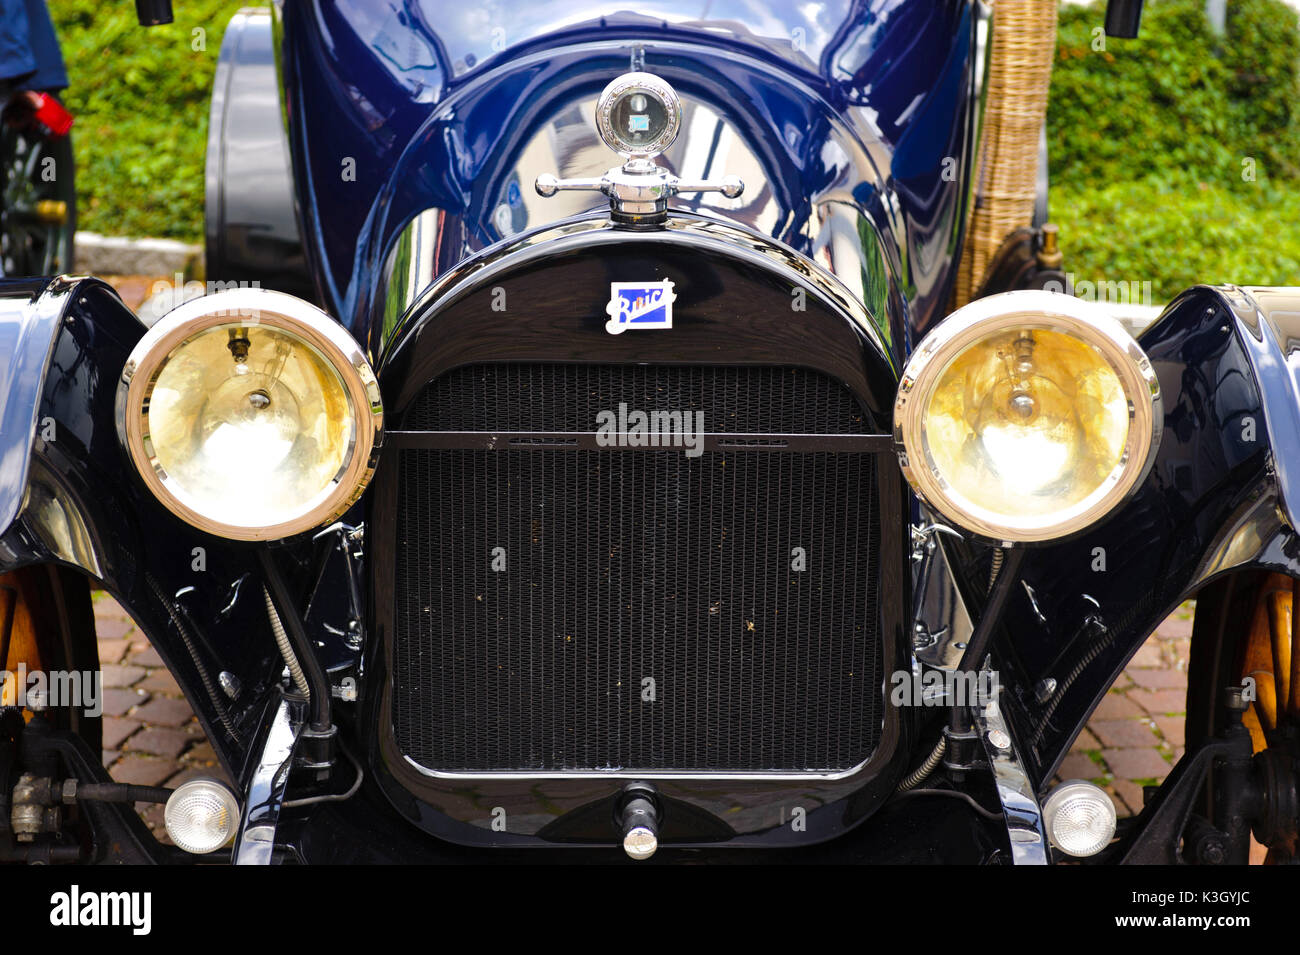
point(1223, 496)
point(31, 312)
point(70, 496)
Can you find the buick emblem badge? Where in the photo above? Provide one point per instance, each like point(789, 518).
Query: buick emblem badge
point(639, 305)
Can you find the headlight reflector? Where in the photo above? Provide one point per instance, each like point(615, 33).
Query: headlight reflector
point(250, 414)
point(1027, 416)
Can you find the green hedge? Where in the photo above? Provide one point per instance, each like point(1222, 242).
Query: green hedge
point(1177, 98)
point(1175, 157)
point(140, 97)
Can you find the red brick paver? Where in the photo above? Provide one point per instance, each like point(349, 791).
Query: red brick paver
point(151, 736)
point(1136, 734)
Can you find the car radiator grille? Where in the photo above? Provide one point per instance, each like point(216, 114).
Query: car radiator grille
point(649, 616)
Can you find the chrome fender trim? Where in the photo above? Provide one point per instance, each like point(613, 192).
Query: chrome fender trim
point(1020, 809)
point(264, 796)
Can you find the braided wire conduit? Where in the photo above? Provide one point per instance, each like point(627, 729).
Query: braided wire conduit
point(286, 648)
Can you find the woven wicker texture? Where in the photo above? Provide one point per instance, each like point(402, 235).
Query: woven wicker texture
point(1020, 71)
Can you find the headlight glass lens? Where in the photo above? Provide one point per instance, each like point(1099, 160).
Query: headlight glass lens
point(1029, 422)
point(249, 424)
point(1027, 416)
point(251, 414)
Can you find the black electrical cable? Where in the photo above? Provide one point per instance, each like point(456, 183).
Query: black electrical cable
point(317, 682)
point(953, 794)
point(121, 792)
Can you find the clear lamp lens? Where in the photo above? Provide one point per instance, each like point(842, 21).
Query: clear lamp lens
point(1079, 818)
point(249, 424)
point(201, 816)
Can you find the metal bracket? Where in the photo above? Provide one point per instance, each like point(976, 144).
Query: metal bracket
point(1024, 817)
point(923, 541)
point(255, 841)
point(639, 190)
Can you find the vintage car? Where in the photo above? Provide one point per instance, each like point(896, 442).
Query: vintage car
point(645, 432)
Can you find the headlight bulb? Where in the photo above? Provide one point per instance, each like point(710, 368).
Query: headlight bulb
point(1022, 402)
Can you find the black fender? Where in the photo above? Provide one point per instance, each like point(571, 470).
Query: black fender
point(82, 506)
point(251, 228)
point(1221, 497)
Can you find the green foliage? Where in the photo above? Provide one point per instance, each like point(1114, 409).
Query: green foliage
point(1176, 231)
point(1177, 98)
point(140, 97)
point(1175, 157)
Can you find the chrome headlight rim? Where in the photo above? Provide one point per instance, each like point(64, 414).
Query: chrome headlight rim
point(253, 307)
point(1028, 309)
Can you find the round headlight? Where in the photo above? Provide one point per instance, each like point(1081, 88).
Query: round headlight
point(1027, 416)
point(250, 414)
point(638, 115)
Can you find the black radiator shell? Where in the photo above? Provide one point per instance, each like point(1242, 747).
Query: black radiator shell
point(735, 294)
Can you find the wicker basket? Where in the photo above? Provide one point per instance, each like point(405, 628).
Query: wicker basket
point(1020, 70)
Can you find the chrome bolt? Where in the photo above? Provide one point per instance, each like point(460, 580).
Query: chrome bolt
point(640, 843)
point(999, 739)
point(230, 684)
point(1044, 689)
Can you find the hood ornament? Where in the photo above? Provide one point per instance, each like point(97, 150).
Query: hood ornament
point(638, 116)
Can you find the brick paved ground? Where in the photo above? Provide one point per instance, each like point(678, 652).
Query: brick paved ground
point(1136, 735)
point(151, 737)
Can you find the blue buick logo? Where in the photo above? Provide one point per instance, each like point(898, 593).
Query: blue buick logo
point(640, 305)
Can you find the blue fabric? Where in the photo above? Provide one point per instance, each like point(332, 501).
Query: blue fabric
point(29, 49)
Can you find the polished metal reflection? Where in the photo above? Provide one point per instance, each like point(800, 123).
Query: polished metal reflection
point(587, 232)
point(839, 237)
point(265, 793)
point(942, 627)
point(1245, 538)
point(54, 515)
point(1022, 814)
point(637, 116)
point(571, 146)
